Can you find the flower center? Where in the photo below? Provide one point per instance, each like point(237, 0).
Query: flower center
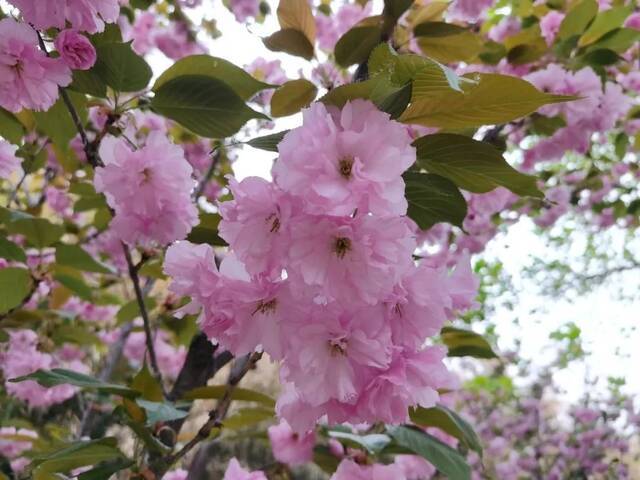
point(275, 222)
point(345, 165)
point(146, 175)
point(266, 307)
point(338, 346)
point(342, 246)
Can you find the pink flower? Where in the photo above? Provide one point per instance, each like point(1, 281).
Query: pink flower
point(149, 189)
point(268, 72)
point(414, 467)
point(9, 162)
point(550, 25)
point(75, 50)
point(236, 472)
point(468, 10)
point(257, 223)
point(28, 78)
point(244, 9)
point(142, 33)
point(236, 311)
point(411, 379)
point(176, 43)
point(342, 160)
point(11, 447)
point(177, 474)
point(417, 309)
point(633, 21)
point(289, 447)
point(85, 15)
point(351, 259)
point(331, 27)
point(22, 358)
point(331, 355)
point(170, 358)
point(349, 470)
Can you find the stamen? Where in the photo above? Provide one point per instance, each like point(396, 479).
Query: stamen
point(345, 165)
point(342, 246)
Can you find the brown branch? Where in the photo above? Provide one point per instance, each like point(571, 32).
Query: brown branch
point(239, 370)
point(215, 158)
point(135, 279)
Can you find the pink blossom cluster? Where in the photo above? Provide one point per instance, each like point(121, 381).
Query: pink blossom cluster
point(28, 78)
point(245, 9)
point(22, 357)
point(601, 107)
point(236, 472)
point(524, 437)
point(330, 28)
point(170, 358)
point(13, 443)
point(325, 251)
point(468, 10)
point(174, 40)
point(268, 71)
point(149, 189)
point(84, 15)
point(9, 162)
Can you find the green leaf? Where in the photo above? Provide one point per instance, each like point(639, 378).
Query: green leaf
point(39, 232)
point(618, 40)
point(240, 81)
point(493, 100)
point(356, 44)
point(111, 34)
point(344, 93)
point(291, 41)
point(60, 376)
point(604, 22)
point(430, 78)
point(433, 199)
point(292, 97)
point(248, 417)
point(382, 60)
point(160, 412)
point(147, 385)
point(131, 310)
point(447, 43)
point(324, 459)
point(447, 460)
point(207, 231)
point(463, 343)
point(449, 422)
point(396, 8)
point(11, 251)
point(78, 334)
point(89, 82)
point(121, 68)
point(74, 256)
point(268, 142)
point(218, 391)
point(472, 165)
point(598, 58)
point(10, 127)
point(57, 124)
point(297, 14)
point(577, 19)
point(204, 105)
point(374, 443)
point(15, 285)
point(397, 102)
point(106, 470)
point(79, 454)
point(76, 284)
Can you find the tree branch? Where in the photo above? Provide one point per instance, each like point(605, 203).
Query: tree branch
point(240, 368)
point(215, 158)
point(133, 274)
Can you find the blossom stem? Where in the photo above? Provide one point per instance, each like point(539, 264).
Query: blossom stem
point(135, 279)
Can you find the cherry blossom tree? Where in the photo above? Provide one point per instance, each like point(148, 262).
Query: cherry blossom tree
point(136, 270)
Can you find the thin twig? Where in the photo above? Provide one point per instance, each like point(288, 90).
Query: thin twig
point(135, 279)
point(238, 371)
point(215, 158)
